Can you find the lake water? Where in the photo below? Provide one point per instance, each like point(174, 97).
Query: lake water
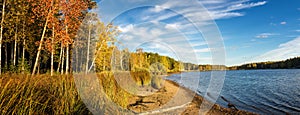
point(259, 91)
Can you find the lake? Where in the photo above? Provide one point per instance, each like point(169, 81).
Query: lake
point(259, 91)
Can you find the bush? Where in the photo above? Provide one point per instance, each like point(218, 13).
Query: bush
point(113, 90)
point(141, 76)
point(156, 82)
point(158, 69)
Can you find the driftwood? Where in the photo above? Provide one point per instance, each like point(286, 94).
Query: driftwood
point(140, 102)
point(165, 110)
point(230, 105)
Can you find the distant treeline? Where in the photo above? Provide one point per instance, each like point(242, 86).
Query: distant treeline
point(212, 67)
point(148, 61)
point(292, 63)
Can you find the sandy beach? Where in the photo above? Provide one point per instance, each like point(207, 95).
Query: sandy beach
point(171, 99)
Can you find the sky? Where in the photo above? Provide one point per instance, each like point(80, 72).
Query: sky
point(201, 31)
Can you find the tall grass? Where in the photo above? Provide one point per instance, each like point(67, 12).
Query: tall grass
point(23, 94)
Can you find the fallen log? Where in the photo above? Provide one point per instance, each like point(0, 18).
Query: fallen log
point(230, 105)
point(164, 110)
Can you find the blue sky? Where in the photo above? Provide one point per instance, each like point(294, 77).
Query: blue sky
point(251, 30)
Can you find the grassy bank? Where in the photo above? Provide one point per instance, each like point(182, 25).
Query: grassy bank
point(23, 94)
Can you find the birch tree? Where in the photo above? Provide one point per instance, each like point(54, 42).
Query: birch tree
point(72, 11)
point(43, 10)
point(1, 32)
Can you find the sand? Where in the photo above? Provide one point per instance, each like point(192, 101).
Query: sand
point(173, 99)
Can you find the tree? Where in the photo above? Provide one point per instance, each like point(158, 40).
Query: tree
point(72, 10)
point(106, 39)
point(85, 41)
point(1, 32)
point(42, 9)
point(54, 25)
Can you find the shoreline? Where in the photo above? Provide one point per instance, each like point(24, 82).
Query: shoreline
point(216, 108)
point(174, 99)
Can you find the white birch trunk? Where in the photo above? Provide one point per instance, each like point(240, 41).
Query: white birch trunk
point(88, 52)
point(52, 52)
point(1, 33)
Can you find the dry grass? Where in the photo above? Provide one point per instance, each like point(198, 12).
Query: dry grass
point(23, 94)
point(142, 78)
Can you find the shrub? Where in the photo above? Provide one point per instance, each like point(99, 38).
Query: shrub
point(156, 82)
point(141, 76)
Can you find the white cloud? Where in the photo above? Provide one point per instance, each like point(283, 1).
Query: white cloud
point(199, 43)
point(218, 9)
point(158, 8)
point(205, 2)
point(283, 23)
point(125, 29)
point(224, 15)
point(171, 26)
point(266, 35)
point(163, 39)
point(244, 6)
point(205, 50)
point(283, 51)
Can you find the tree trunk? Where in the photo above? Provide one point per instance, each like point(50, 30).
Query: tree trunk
point(67, 53)
point(23, 48)
point(62, 60)
point(52, 51)
point(6, 56)
point(1, 33)
point(96, 55)
point(40, 46)
point(41, 41)
point(81, 61)
point(67, 60)
point(38, 71)
point(88, 52)
point(23, 56)
point(71, 59)
point(60, 57)
point(11, 54)
point(15, 46)
point(76, 56)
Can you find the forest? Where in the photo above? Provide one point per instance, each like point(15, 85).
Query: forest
point(62, 36)
point(37, 36)
point(292, 63)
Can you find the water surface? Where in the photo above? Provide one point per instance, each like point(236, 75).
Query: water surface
point(259, 91)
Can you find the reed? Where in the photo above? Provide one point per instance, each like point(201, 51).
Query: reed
point(43, 94)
